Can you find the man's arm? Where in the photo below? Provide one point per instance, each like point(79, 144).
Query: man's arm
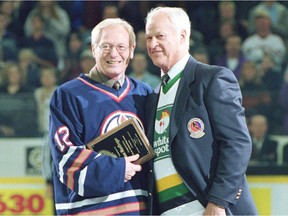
point(85, 172)
point(231, 136)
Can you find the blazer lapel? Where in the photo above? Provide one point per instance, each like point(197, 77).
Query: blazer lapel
point(150, 113)
point(182, 96)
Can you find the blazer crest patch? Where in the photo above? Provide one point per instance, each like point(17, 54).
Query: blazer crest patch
point(195, 127)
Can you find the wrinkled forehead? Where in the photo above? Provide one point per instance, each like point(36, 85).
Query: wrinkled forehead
point(157, 18)
point(158, 23)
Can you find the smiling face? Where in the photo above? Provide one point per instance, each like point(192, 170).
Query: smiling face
point(165, 45)
point(113, 63)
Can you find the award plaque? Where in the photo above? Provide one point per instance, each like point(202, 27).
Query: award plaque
point(124, 140)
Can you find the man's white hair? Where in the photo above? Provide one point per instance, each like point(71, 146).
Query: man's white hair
point(178, 18)
point(97, 30)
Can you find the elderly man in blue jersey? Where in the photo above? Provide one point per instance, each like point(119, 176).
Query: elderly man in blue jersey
point(87, 182)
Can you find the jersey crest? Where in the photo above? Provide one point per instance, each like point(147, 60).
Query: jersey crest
point(116, 118)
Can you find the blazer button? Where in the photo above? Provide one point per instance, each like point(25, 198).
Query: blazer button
point(150, 194)
point(151, 171)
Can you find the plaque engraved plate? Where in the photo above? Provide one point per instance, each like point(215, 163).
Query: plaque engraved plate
point(124, 140)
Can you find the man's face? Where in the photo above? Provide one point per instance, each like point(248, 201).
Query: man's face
point(113, 62)
point(139, 63)
point(233, 45)
point(258, 127)
point(263, 25)
point(164, 44)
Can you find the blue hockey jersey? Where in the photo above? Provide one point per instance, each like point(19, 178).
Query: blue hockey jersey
point(86, 182)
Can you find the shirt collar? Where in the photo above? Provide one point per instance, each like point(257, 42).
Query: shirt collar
point(178, 67)
point(102, 78)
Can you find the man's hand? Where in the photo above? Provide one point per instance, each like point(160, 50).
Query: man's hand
point(214, 210)
point(131, 168)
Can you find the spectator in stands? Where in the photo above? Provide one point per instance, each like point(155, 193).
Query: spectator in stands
point(87, 61)
point(272, 80)
point(233, 57)
point(278, 14)
point(56, 26)
point(13, 80)
point(43, 95)
point(110, 11)
point(216, 46)
point(256, 97)
point(42, 46)
point(6, 128)
point(270, 77)
point(263, 42)
point(141, 41)
point(140, 72)
point(283, 102)
point(197, 41)
point(72, 67)
point(264, 150)
point(13, 10)
point(227, 11)
point(17, 105)
point(27, 61)
point(226, 25)
point(201, 55)
point(8, 45)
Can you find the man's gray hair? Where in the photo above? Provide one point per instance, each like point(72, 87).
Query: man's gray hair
point(178, 18)
point(97, 30)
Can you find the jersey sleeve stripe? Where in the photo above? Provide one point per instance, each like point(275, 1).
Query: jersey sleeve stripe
point(63, 161)
point(116, 210)
point(76, 166)
point(97, 200)
point(81, 181)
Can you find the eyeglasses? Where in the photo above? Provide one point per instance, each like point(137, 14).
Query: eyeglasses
point(107, 48)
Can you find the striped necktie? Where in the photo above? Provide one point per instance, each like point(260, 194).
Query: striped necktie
point(165, 78)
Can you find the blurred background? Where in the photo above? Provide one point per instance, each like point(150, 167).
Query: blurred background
point(46, 43)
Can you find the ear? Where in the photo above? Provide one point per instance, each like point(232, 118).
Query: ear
point(132, 52)
point(183, 35)
point(93, 47)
